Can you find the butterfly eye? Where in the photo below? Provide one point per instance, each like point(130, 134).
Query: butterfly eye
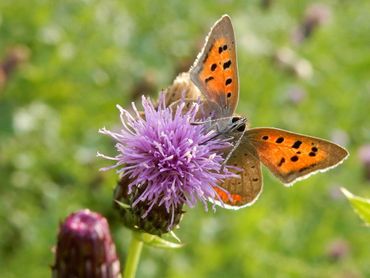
point(239, 123)
point(235, 119)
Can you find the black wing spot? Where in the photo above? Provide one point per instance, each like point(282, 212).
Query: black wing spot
point(294, 158)
point(229, 94)
point(213, 67)
point(280, 140)
point(312, 154)
point(228, 81)
point(255, 179)
point(208, 79)
point(253, 166)
point(227, 64)
point(224, 47)
point(314, 149)
point(265, 137)
point(298, 152)
point(297, 144)
point(220, 49)
point(282, 160)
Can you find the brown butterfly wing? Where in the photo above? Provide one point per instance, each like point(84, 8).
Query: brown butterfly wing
point(215, 71)
point(291, 156)
point(245, 190)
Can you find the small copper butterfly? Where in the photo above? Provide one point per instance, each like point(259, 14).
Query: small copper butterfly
point(289, 156)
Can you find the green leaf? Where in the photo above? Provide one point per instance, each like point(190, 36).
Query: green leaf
point(123, 205)
point(360, 205)
point(156, 241)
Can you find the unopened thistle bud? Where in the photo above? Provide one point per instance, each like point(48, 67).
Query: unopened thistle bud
point(85, 248)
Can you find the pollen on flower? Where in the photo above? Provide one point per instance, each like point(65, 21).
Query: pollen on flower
point(169, 159)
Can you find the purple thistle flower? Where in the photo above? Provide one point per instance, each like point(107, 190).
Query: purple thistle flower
point(85, 247)
point(176, 160)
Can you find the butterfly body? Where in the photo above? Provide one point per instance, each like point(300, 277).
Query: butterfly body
point(289, 156)
point(227, 126)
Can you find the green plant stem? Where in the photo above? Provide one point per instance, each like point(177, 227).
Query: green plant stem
point(133, 256)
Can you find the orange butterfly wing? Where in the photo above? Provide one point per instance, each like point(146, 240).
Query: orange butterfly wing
point(291, 156)
point(215, 71)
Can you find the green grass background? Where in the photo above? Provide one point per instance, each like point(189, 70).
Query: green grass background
point(88, 55)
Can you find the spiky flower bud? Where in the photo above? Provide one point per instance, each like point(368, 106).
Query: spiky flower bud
point(85, 248)
point(156, 221)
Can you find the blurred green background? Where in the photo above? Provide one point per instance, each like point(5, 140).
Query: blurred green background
point(64, 66)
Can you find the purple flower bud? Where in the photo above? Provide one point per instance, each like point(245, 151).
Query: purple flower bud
point(85, 247)
point(337, 249)
point(315, 15)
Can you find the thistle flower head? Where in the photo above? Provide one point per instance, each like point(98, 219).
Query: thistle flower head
point(85, 247)
point(171, 160)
